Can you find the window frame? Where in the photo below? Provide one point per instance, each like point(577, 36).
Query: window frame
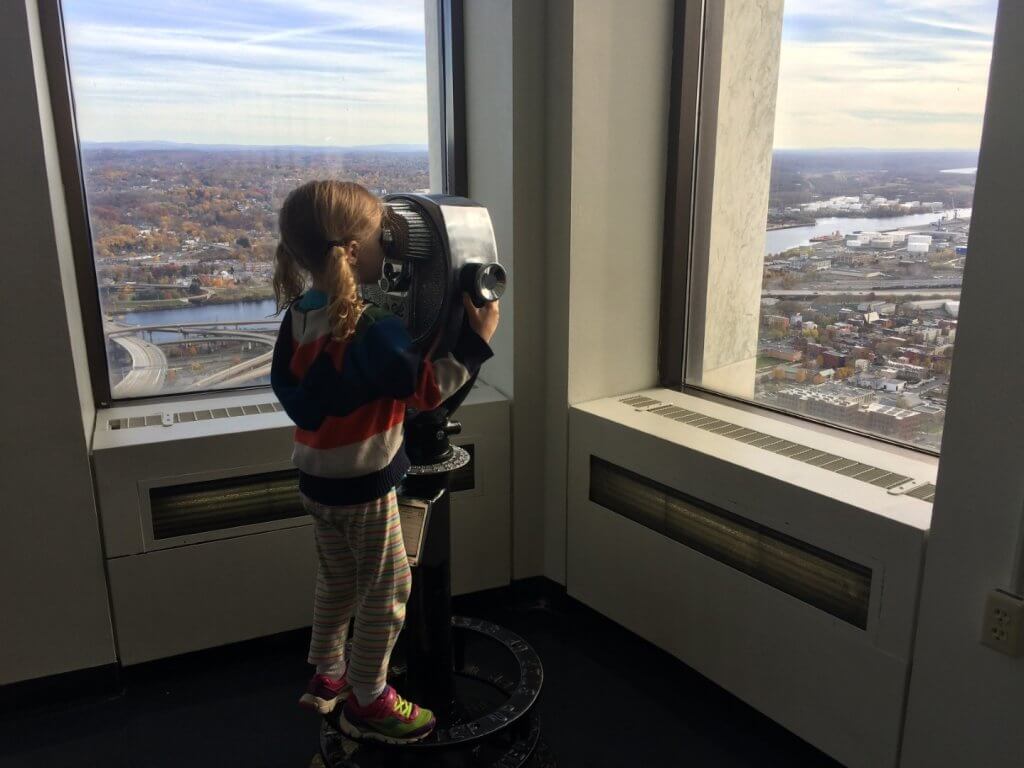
point(450, 82)
point(693, 115)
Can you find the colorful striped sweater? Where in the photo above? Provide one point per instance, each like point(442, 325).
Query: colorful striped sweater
point(348, 399)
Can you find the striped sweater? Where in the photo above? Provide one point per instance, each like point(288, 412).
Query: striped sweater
point(348, 399)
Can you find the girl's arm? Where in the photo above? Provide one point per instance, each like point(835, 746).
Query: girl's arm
point(307, 401)
point(388, 359)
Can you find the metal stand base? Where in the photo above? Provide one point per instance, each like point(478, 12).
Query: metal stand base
point(492, 724)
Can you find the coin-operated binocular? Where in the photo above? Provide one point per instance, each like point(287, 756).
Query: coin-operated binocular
point(436, 247)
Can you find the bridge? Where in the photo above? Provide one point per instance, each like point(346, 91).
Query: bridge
point(149, 362)
point(204, 294)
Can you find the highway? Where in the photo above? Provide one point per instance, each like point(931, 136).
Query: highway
point(149, 368)
point(149, 364)
point(247, 370)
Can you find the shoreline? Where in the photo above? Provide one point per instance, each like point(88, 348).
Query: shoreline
point(170, 304)
point(777, 227)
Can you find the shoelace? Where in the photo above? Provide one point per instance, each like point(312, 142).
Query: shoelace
point(403, 707)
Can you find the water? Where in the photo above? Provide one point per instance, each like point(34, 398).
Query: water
point(202, 313)
point(779, 240)
point(960, 170)
point(776, 241)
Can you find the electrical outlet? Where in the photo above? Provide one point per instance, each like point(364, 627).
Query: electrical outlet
point(1003, 627)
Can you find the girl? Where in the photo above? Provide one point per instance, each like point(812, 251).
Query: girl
point(345, 372)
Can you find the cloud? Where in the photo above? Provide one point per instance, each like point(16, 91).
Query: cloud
point(886, 73)
point(253, 72)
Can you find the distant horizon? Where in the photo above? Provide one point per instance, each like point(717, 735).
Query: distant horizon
point(315, 74)
point(155, 144)
point(401, 147)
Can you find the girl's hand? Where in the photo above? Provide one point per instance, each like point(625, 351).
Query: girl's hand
point(483, 320)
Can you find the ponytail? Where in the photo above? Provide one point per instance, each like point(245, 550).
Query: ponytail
point(289, 278)
point(346, 306)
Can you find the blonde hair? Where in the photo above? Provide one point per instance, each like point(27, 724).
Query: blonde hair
point(318, 220)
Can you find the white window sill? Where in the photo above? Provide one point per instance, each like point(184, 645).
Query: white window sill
point(894, 506)
point(105, 438)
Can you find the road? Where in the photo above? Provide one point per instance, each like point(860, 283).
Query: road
point(149, 368)
point(149, 364)
point(247, 370)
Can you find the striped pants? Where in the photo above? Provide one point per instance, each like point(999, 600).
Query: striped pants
point(364, 575)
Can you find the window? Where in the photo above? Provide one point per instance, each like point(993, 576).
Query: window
point(833, 176)
point(190, 123)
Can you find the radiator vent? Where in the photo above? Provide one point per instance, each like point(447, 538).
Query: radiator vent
point(819, 578)
point(217, 505)
point(213, 505)
point(169, 418)
point(924, 492)
point(894, 482)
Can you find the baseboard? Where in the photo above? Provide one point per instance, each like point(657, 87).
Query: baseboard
point(40, 693)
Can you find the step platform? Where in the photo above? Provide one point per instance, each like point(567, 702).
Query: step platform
point(496, 681)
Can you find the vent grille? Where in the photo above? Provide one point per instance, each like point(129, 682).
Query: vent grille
point(168, 418)
point(819, 578)
point(924, 492)
point(865, 473)
point(216, 505)
point(194, 508)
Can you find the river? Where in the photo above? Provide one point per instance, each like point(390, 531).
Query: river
point(776, 241)
point(779, 240)
point(202, 313)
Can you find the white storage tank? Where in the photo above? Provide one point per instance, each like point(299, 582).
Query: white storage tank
point(919, 243)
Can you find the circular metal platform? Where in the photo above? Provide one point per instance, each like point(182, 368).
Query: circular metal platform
point(494, 724)
point(460, 457)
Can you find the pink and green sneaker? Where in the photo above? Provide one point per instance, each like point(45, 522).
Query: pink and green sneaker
point(324, 693)
point(390, 719)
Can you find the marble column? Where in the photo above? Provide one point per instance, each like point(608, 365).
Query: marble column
point(736, 136)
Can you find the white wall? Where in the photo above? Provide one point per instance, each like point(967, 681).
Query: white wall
point(490, 156)
point(505, 92)
point(607, 80)
point(555, 274)
point(966, 700)
point(621, 67)
point(53, 596)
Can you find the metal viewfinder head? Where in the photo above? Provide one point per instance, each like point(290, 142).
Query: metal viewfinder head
point(435, 248)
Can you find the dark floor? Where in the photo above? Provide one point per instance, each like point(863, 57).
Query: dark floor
point(609, 699)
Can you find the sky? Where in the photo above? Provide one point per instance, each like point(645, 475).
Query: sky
point(853, 73)
point(884, 73)
point(280, 72)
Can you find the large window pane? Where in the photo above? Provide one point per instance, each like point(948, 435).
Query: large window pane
point(195, 119)
point(872, 143)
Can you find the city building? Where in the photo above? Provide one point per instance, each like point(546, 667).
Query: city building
point(919, 243)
